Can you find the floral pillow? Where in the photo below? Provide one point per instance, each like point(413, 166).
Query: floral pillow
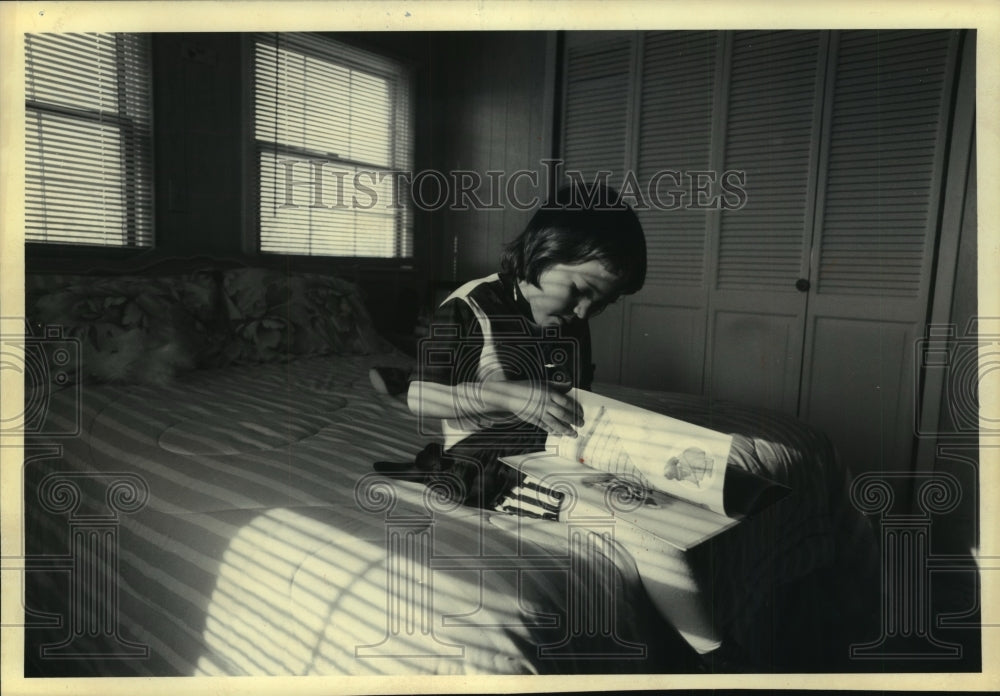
point(274, 315)
point(130, 329)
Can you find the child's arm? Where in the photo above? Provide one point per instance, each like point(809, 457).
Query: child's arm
point(546, 406)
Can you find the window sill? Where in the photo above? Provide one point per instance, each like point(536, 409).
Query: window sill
point(95, 259)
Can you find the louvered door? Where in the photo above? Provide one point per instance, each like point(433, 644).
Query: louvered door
point(760, 268)
point(598, 110)
point(597, 130)
point(809, 298)
point(665, 323)
point(889, 103)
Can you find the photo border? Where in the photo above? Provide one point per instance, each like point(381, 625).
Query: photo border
point(19, 18)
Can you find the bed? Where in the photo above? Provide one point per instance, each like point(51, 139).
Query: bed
point(218, 513)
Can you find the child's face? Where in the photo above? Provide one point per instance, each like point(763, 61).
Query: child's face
point(567, 292)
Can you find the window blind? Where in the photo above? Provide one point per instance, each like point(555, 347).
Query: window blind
point(88, 131)
point(332, 127)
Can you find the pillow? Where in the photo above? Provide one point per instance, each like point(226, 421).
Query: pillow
point(130, 329)
point(274, 315)
point(201, 318)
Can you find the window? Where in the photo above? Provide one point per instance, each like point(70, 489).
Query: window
point(88, 131)
point(332, 130)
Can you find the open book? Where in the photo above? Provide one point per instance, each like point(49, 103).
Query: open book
point(657, 474)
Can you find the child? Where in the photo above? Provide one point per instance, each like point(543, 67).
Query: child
point(505, 349)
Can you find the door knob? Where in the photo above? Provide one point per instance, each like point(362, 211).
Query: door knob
point(802, 284)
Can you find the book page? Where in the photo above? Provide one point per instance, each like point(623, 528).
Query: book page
point(572, 492)
point(649, 449)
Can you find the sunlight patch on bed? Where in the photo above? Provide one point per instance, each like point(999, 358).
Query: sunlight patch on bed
point(296, 596)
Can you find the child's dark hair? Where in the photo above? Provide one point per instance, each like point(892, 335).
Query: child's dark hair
point(579, 225)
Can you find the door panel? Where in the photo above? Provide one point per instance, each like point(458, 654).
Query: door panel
point(758, 360)
point(675, 123)
point(666, 346)
point(597, 102)
point(597, 114)
point(883, 171)
point(876, 228)
point(860, 389)
point(772, 132)
point(756, 313)
point(664, 325)
point(606, 343)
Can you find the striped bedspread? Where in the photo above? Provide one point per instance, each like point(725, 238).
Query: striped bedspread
point(230, 523)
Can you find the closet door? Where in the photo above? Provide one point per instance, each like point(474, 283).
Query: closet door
point(600, 69)
point(809, 297)
point(888, 115)
point(665, 322)
point(759, 293)
point(643, 107)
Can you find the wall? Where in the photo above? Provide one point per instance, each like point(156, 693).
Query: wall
point(197, 90)
point(491, 107)
point(958, 531)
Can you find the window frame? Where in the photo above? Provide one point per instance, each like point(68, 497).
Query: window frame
point(130, 129)
point(404, 220)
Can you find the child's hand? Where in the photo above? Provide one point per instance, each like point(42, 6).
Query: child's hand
point(546, 405)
